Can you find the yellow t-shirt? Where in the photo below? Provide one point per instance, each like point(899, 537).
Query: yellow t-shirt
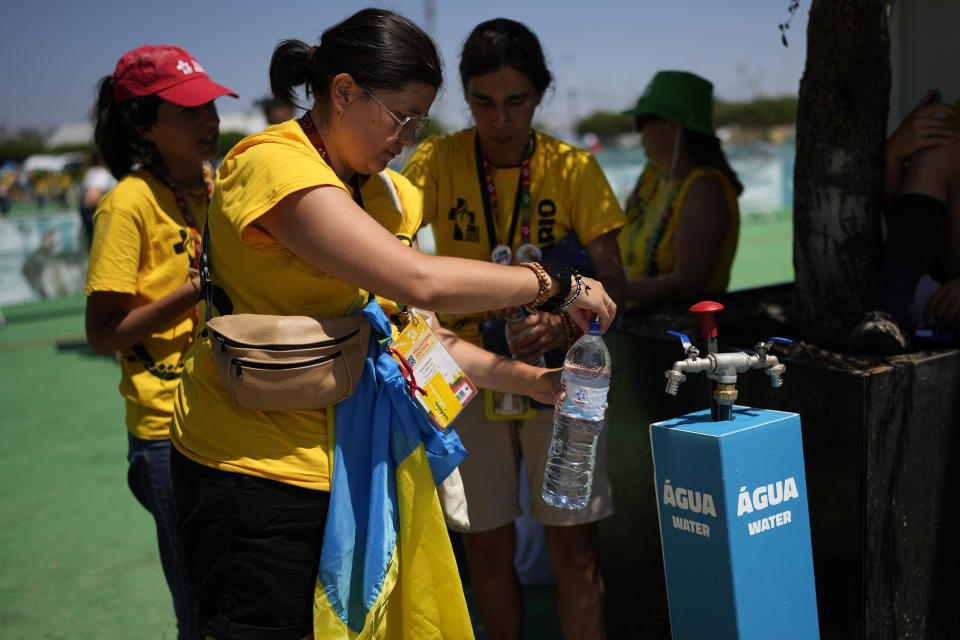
point(653, 208)
point(258, 274)
point(143, 246)
point(568, 192)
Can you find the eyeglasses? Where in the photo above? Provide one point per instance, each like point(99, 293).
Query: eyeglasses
point(407, 126)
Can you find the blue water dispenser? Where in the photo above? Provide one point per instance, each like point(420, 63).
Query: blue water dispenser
point(732, 503)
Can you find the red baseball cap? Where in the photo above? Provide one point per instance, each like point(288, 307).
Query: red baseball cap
point(166, 71)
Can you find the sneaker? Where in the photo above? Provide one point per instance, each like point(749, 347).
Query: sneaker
point(878, 334)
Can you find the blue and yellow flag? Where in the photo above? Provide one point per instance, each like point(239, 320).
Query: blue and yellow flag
point(387, 569)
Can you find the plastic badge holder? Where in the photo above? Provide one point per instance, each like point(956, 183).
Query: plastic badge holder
point(496, 406)
point(448, 390)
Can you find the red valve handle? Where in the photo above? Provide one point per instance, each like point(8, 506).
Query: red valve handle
point(708, 321)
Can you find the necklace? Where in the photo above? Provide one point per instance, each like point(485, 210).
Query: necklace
point(653, 217)
point(184, 205)
point(501, 253)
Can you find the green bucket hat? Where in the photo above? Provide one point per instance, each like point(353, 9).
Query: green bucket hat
point(679, 96)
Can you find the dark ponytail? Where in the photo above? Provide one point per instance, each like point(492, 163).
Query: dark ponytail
point(117, 132)
point(499, 43)
point(378, 48)
point(705, 150)
point(290, 68)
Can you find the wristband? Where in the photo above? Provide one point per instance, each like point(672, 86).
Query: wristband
point(561, 273)
point(569, 301)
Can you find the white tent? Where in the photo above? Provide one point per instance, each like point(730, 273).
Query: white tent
point(52, 162)
point(71, 133)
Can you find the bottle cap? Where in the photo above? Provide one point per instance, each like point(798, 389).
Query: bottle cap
point(595, 327)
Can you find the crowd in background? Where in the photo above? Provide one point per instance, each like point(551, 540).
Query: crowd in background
point(38, 189)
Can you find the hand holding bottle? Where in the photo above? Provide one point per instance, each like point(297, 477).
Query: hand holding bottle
point(592, 303)
point(544, 385)
point(578, 420)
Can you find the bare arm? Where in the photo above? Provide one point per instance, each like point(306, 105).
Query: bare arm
point(91, 197)
point(324, 227)
point(921, 129)
point(112, 325)
point(490, 371)
point(604, 253)
point(701, 227)
point(935, 172)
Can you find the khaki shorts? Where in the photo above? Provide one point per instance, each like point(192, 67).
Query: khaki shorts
point(491, 470)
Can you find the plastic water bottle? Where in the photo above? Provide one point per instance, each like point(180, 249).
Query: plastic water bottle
point(512, 322)
point(577, 421)
point(512, 404)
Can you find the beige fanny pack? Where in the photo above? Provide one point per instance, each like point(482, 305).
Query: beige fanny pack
point(288, 363)
point(284, 363)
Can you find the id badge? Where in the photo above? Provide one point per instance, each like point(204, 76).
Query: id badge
point(447, 386)
point(498, 405)
point(528, 252)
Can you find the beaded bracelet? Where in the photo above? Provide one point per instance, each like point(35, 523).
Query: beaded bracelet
point(569, 329)
point(561, 273)
point(543, 280)
point(569, 301)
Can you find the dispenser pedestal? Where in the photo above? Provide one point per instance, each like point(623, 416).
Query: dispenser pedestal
point(734, 525)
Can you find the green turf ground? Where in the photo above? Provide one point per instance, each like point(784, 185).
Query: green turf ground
point(31, 209)
point(78, 556)
point(764, 252)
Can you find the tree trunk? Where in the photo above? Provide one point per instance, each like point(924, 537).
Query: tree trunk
point(838, 178)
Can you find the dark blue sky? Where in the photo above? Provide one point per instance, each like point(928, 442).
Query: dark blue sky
point(601, 52)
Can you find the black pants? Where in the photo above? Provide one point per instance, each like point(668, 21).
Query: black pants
point(252, 550)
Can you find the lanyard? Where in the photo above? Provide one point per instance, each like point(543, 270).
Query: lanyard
point(521, 204)
point(306, 123)
point(184, 204)
point(657, 218)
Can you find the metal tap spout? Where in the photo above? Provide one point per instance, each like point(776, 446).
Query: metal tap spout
point(724, 367)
